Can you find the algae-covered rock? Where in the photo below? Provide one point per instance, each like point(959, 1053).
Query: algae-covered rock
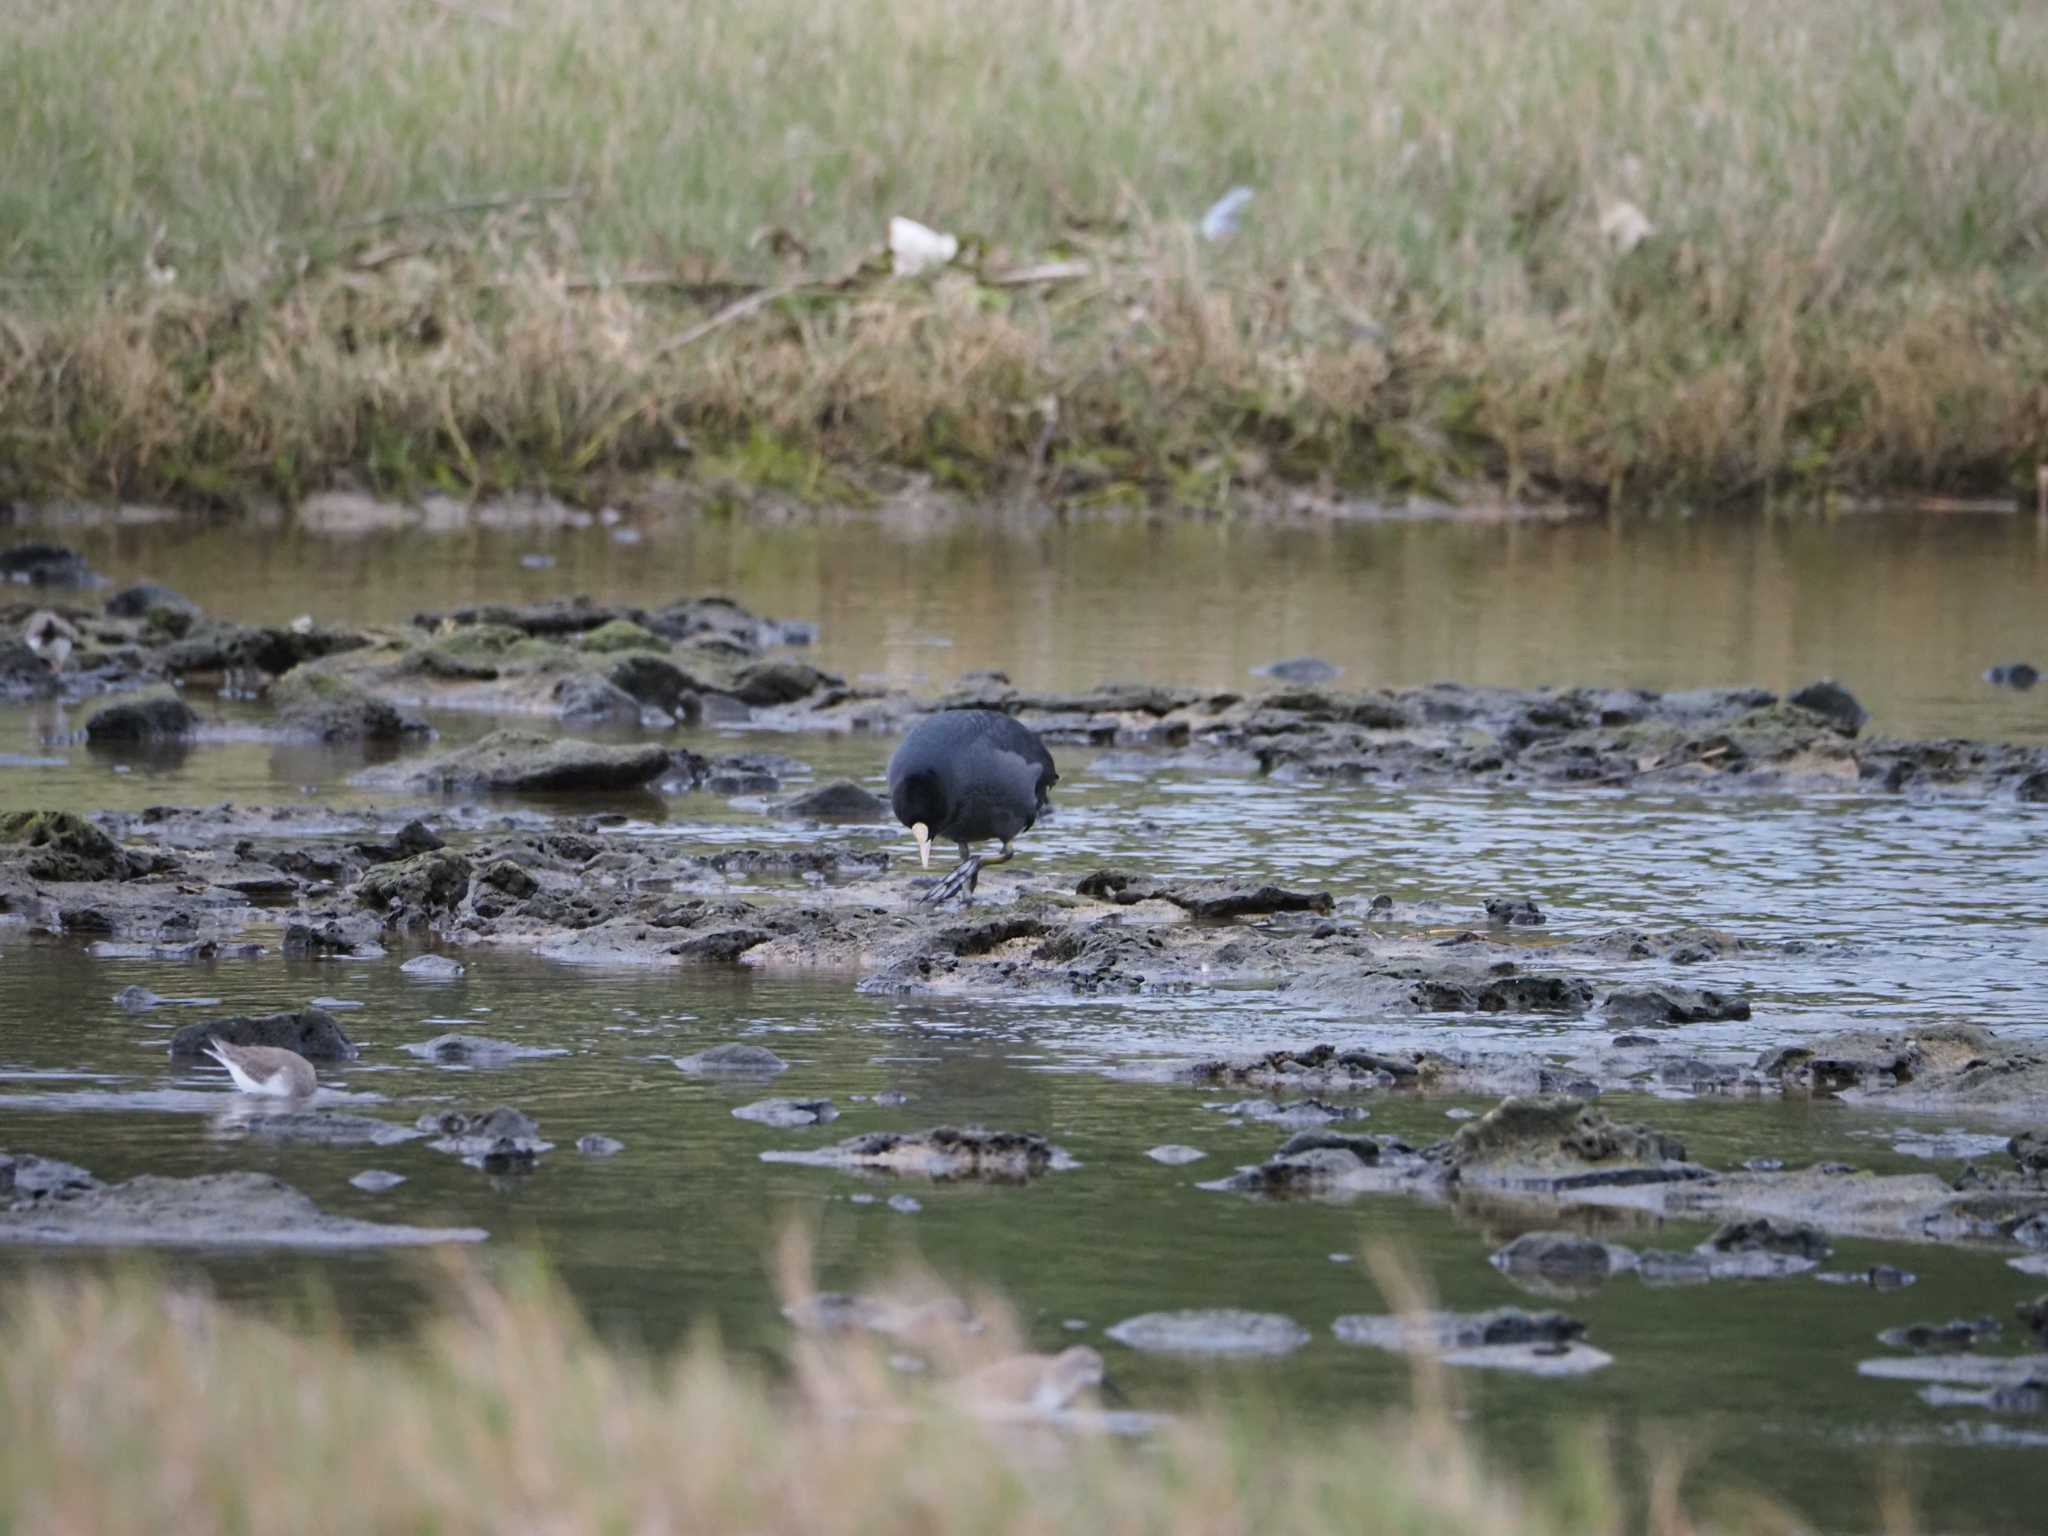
point(425, 883)
point(621, 635)
point(323, 707)
point(1551, 1143)
point(56, 845)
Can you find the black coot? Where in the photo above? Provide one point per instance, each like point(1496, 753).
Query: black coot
point(969, 775)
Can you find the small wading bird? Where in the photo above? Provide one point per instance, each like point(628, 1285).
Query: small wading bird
point(969, 775)
point(51, 636)
point(267, 1070)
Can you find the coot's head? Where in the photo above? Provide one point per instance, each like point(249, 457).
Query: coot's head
point(920, 804)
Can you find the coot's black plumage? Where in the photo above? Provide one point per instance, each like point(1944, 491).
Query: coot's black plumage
point(969, 775)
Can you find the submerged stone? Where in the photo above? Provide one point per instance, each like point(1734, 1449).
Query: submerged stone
point(738, 1060)
point(945, 1152)
point(477, 1050)
point(786, 1113)
point(1211, 1331)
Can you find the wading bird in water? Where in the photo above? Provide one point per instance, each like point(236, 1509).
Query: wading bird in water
point(269, 1071)
point(969, 775)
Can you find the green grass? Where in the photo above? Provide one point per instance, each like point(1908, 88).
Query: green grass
point(232, 260)
point(128, 1400)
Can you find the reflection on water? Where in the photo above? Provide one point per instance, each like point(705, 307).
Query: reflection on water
point(1905, 911)
point(1908, 611)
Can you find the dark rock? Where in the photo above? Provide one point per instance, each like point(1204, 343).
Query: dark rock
point(1310, 1172)
point(660, 684)
point(1879, 1277)
point(1760, 1248)
point(424, 884)
point(2030, 1150)
point(25, 676)
point(44, 565)
point(147, 600)
point(1833, 703)
point(1203, 898)
point(1503, 912)
point(583, 698)
point(2027, 1397)
point(2035, 1315)
point(1539, 1343)
point(312, 1032)
point(517, 762)
point(720, 947)
point(60, 847)
point(945, 1152)
point(1510, 994)
point(769, 683)
point(1672, 1005)
point(1318, 1067)
point(1632, 1042)
point(316, 934)
point(841, 800)
point(150, 719)
point(500, 1140)
point(1950, 1338)
point(511, 878)
point(828, 863)
point(2013, 674)
point(1561, 1256)
point(1559, 1144)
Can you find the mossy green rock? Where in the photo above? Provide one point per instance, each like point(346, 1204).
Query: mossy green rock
point(61, 846)
point(316, 703)
point(622, 635)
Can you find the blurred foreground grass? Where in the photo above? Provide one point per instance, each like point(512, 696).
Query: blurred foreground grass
point(132, 1404)
point(1690, 250)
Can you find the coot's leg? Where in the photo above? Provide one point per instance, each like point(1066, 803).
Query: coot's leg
point(962, 880)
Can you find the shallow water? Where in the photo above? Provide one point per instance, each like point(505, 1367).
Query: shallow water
point(1912, 911)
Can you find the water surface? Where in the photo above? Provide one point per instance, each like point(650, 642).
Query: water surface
point(1910, 911)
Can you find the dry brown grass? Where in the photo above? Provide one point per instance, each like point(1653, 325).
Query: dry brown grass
point(129, 1403)
point(222, 271)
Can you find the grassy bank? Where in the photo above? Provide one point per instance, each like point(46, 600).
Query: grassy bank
point(1600, 249)
point(126, 1401)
